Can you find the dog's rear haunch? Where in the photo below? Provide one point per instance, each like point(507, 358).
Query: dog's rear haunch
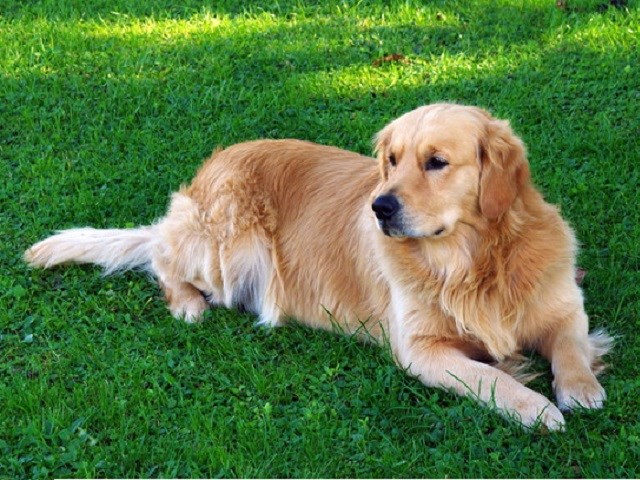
point(442, 246)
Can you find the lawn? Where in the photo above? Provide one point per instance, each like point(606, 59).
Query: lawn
point(108, 106)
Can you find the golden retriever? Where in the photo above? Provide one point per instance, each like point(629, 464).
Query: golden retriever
point(443, 248)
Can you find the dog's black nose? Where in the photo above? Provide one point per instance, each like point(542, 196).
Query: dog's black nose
point(385, 206)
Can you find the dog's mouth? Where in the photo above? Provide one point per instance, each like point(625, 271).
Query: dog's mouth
point(389, 232)
point(395, 230)
point(392, 228)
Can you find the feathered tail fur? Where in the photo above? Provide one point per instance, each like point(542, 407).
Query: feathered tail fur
point(113, 249)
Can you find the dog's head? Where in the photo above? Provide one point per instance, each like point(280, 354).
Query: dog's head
point(444, 164)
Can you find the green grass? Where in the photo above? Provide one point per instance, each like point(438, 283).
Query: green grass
point(108, 106)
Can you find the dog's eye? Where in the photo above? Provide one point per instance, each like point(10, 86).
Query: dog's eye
point(435, 163)
point(392, 159)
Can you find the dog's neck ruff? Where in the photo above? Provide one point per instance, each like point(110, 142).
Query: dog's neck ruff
point(478, 280)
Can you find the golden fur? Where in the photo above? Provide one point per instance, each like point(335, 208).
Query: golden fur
point(470, 267)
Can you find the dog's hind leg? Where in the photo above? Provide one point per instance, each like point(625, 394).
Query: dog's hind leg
point(184, 300)
point(183, 260)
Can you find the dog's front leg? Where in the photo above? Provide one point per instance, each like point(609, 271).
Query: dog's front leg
point(439, 363)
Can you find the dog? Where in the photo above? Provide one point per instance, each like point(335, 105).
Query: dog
point(441, 247)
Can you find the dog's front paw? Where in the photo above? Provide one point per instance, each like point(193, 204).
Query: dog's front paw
point(583, 392)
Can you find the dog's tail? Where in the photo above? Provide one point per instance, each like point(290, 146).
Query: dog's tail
point(113, 249)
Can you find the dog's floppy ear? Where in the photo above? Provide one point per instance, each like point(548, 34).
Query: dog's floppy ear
point(380, 145)
point(504, 169)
